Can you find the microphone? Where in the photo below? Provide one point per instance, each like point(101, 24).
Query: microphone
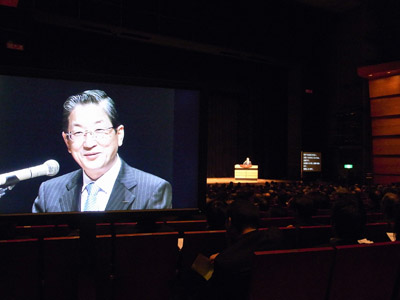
point(49, 168)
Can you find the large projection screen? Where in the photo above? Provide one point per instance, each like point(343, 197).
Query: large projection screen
point(162, 128)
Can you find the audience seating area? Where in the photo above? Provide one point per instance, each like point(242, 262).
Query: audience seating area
point(177, 225)
point(112, 266)
point(368, 271)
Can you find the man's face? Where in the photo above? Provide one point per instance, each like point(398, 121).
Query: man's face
point(95, 155)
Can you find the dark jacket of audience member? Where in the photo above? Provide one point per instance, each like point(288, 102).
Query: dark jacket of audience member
point(391, 211)
point(233, 266)
point(389, 203)
point(348, 220)
point(397, 224)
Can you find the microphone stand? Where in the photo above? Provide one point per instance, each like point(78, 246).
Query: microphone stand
point(4, 190)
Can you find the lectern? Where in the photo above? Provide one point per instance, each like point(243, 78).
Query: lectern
point(246, 172)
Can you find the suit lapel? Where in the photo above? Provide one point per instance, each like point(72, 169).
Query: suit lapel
point(70, 200)
point(122, 195)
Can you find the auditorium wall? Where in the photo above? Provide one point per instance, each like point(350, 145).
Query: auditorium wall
point(384, 95)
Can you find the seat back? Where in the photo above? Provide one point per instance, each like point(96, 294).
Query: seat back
point(367, 271)
point(61, 268)
point(314, 236)
point(377, 232)
point(20, 269)
point(289, 237)
point(145, 265)
point(276, 222)
point(301, 274)
point(190, 225)
point(322, 219)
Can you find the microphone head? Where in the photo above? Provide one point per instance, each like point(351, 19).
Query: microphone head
point(52, 167)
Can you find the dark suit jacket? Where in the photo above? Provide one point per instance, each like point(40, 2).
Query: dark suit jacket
point(233, 266)
point(133, 189)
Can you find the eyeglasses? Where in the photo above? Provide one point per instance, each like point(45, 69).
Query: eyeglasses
point(99, 134)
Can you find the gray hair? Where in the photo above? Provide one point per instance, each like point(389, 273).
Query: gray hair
point(90, 97)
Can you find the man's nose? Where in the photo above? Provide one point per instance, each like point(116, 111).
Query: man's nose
point(90, 139)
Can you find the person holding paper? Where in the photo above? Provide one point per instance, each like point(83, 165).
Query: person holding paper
point(232, 267)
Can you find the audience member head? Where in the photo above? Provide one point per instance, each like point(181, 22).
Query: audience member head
point(243, 216)
point(279, 207)
point(304, 207)
point(216, 211)
point(348, 218)
point(390, 203)
point(283, 198)
point(263, 202)
point(375, 197)
point(320, 199)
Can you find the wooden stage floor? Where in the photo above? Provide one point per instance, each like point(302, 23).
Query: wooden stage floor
point(227, 180)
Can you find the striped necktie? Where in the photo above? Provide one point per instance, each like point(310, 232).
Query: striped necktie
point(92, 190)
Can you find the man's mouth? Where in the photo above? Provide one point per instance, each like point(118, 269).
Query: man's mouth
point(91, 155)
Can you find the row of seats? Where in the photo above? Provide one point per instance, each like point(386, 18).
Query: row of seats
point(175, 225)
point(126, 266)
point(144, 264)
point(357, 272)
point(313, 236)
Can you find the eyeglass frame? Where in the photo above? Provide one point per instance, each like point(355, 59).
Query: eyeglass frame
point(105, 133)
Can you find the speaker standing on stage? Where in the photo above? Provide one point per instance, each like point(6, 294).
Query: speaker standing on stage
point(93, 134)
point(247, 162)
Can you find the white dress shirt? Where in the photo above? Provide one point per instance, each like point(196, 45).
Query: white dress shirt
point(105, 183)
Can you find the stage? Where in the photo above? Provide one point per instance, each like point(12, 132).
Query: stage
point(226, 180)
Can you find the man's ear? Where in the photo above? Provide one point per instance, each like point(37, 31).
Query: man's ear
point(66, 141)
point(120, 134)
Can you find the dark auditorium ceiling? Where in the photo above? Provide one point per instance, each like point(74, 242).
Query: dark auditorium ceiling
point(337, 6)
point(269, 31)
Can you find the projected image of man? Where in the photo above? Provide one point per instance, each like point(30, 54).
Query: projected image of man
point(93, 134)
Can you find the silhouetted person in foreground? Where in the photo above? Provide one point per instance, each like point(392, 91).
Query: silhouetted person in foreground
point(233, 266)
point(216, 214)
point(304, 211)
point(391, 212)
point(189, 284)
point(348, 220)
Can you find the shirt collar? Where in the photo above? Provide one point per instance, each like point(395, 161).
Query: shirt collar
point(107, 180)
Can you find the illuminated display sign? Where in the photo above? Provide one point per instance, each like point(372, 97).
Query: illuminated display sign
point(311, 161)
